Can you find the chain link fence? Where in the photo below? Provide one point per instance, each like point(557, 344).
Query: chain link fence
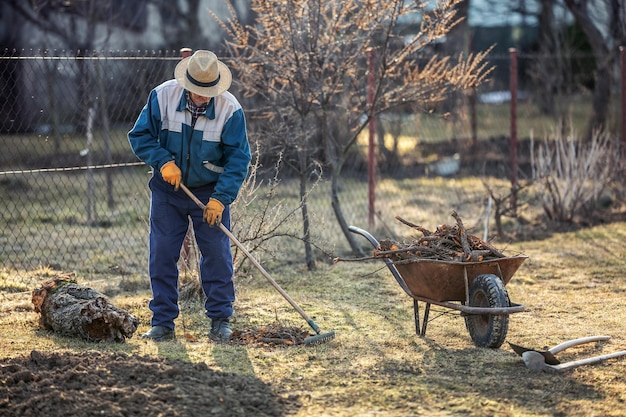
point(75, 198)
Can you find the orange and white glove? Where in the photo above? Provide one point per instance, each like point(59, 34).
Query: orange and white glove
point(171, 174)
point(213, 212)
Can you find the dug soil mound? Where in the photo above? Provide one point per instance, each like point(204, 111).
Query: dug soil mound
point(118, 384)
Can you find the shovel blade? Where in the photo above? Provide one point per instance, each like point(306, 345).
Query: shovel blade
point(550, 358)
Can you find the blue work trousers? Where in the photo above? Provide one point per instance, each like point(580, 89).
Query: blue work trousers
point(170, 212)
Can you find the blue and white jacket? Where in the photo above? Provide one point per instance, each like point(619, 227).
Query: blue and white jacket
point(216, 150)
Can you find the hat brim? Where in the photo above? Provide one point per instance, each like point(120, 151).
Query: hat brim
point(226, 78)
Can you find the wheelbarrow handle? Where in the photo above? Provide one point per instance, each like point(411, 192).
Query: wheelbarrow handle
point(389, 262)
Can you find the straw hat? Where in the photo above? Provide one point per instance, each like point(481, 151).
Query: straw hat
point(202, 73)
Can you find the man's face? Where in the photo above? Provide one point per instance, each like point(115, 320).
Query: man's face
point(198, 99)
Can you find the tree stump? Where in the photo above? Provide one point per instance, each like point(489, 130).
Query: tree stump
point(72, 310)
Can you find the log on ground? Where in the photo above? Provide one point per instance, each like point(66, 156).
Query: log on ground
point(73, 310)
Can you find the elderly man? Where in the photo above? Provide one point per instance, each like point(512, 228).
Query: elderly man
point(192, 130)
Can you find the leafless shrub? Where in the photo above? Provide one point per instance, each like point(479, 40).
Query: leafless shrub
point(502, 201)
point(260, 217)
point(572, 174)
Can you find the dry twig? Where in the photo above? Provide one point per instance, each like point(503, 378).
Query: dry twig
point(448, 243)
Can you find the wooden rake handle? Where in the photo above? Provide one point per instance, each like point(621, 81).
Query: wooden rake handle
point(255, 262)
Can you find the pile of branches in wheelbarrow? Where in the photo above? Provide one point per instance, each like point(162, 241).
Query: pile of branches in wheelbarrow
point(447, 243)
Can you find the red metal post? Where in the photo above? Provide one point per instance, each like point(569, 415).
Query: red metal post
point(513, 168)
point(473, 120)
point(472, 104)
point(371, 162)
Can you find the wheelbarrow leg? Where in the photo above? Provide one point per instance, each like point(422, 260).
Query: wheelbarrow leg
point(425, 320)
point(416, 314)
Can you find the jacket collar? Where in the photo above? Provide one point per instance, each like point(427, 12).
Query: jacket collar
point(210, 110)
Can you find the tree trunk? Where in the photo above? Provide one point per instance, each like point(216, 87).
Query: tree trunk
point(334, 201)
point(390, 158)
point(336, 161)
point(545, 70)
point(602, 56)
point(306, 223)
point(72, 310)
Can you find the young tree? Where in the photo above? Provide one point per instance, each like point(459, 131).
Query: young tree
point(307, 61)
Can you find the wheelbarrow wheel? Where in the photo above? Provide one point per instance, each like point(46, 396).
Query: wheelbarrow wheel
point(488, 330)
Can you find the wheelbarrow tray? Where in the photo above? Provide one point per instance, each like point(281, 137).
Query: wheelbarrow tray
point(439, 280)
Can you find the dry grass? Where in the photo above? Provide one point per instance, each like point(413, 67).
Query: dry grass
point(573, 285)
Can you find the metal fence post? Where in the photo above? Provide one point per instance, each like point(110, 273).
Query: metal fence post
point(622, 53)
point(189, 237)
point(371, 148)
point(513, 168)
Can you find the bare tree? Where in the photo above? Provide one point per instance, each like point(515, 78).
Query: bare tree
point(185, 23)
point(592, 27)
point(546, 70)
point(181, 26)
point(307, 60)
point(73, 23)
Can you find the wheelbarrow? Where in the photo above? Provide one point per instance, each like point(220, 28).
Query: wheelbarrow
point(475, 289)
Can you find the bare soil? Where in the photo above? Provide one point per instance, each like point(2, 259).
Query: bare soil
point(117, 384)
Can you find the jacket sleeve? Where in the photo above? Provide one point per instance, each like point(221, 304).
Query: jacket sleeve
point(144, 136)
point(236, 154)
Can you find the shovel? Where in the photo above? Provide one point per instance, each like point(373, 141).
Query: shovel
point(545, 361)
point(312, 340)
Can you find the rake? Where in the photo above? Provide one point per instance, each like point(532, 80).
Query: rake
point(319, 337)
